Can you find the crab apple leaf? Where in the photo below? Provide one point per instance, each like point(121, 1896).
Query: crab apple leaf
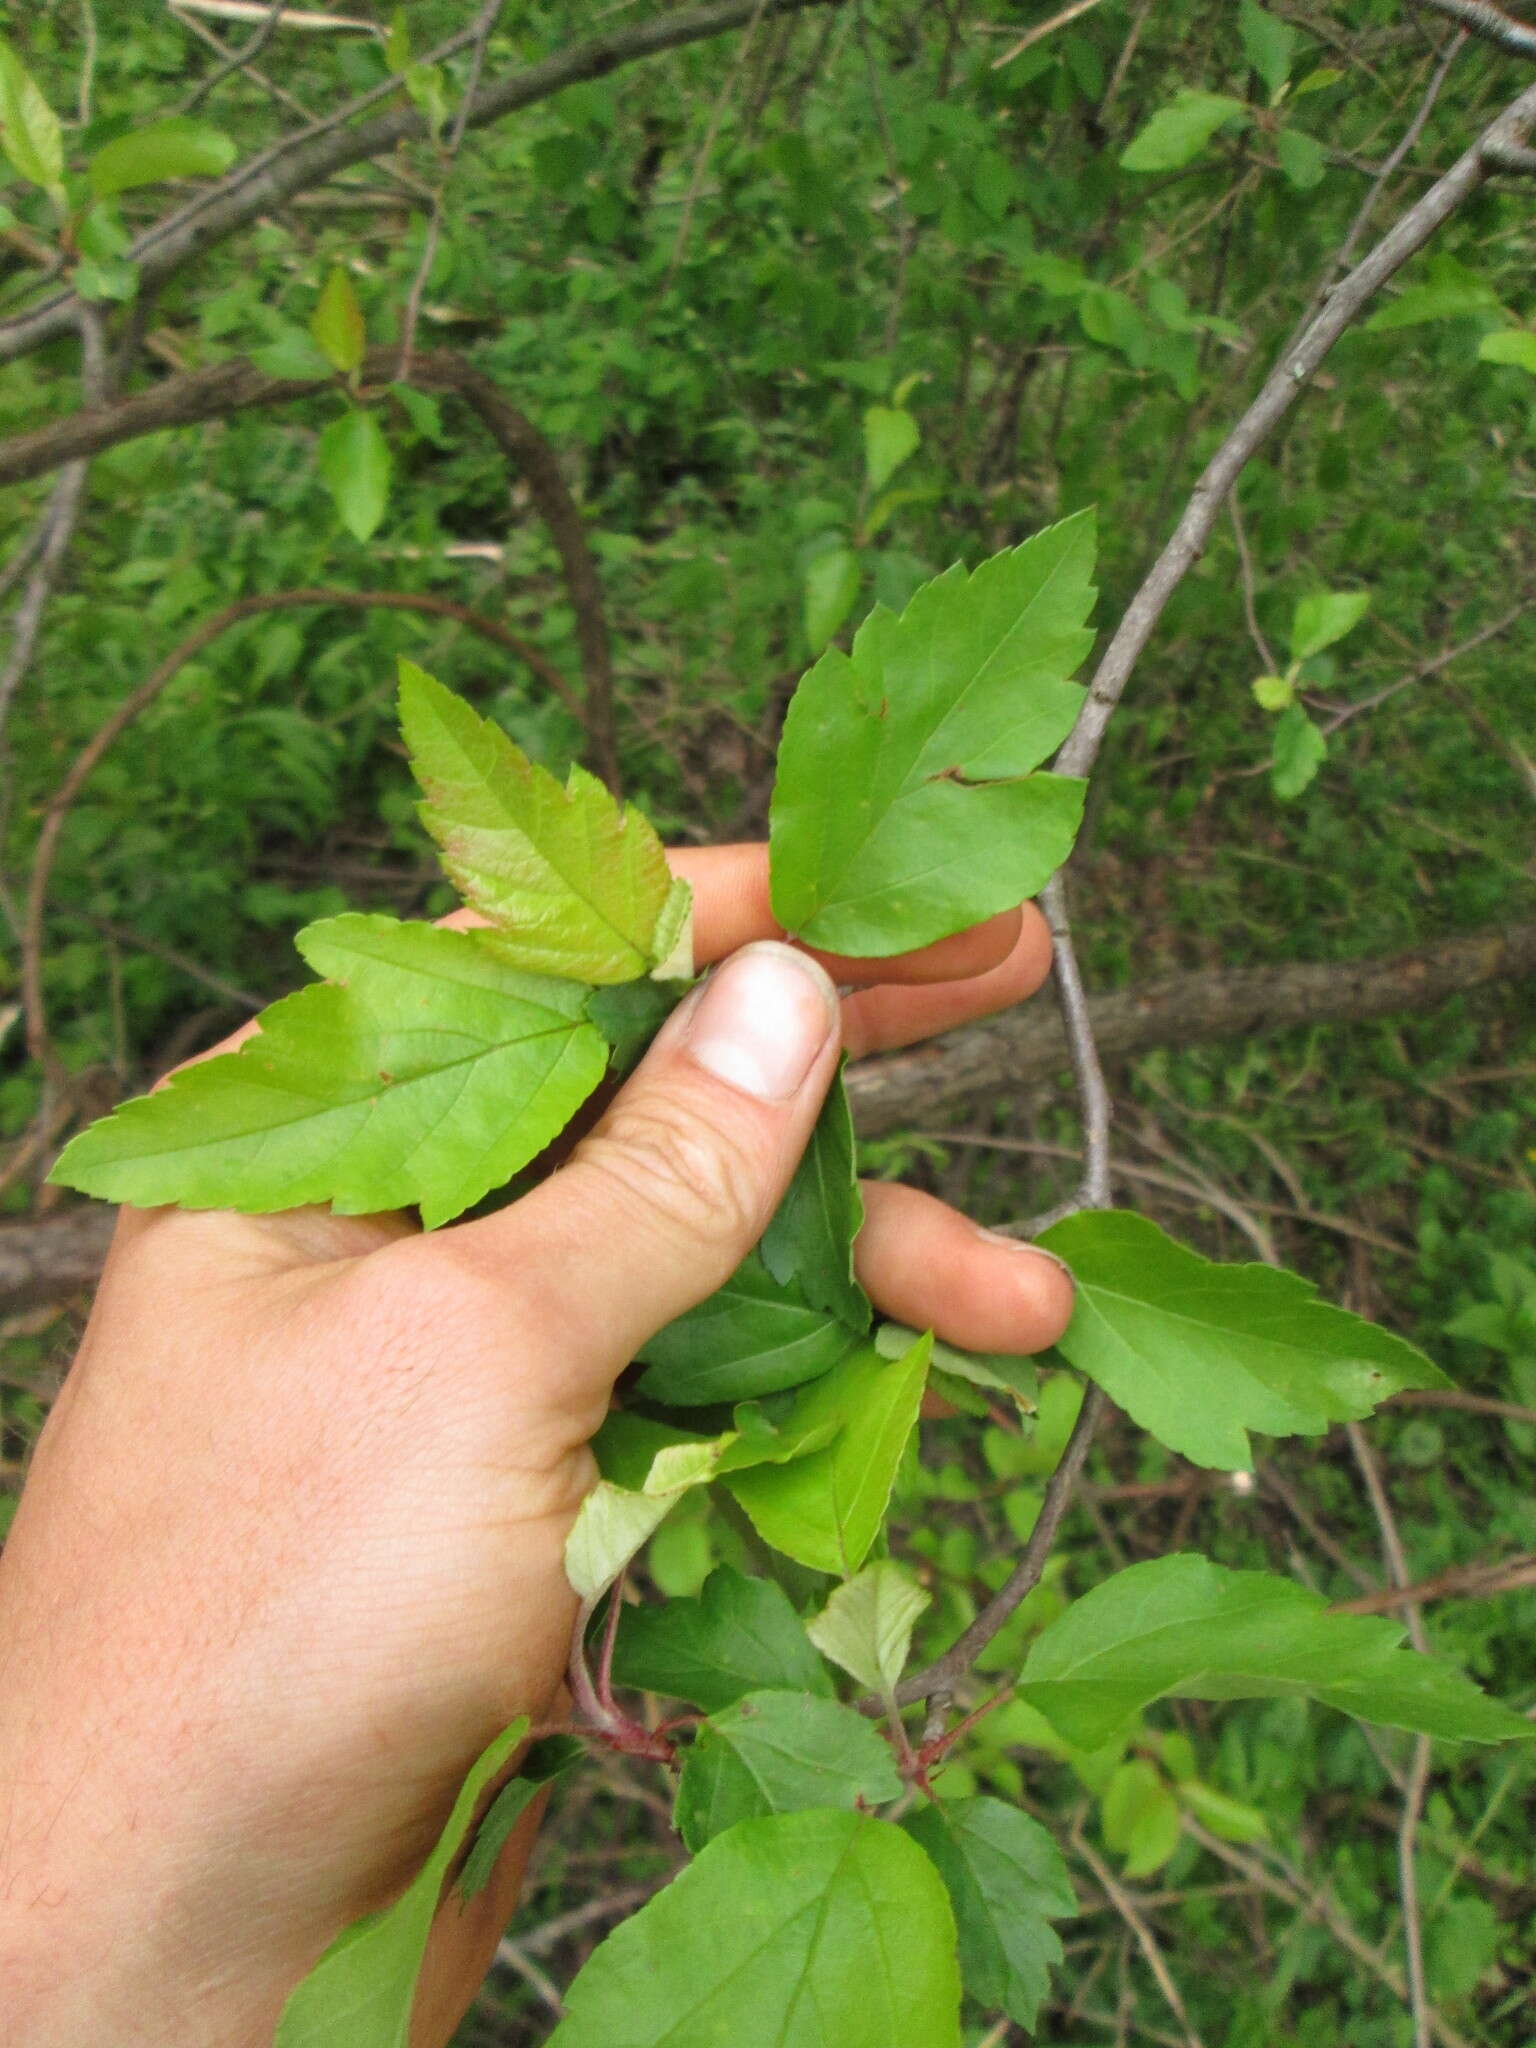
point(831, 587)
point(1199, 1353)
point(792, 1931)
point(30, 133)
point(752, 1336)
point(360, 1993)
point(739, 1635)
point(174, 148)
point(1513, 345)
point(997, 1370)
point(1324, 616)
point(1269, 44)
point(810, 1240)
point(578, 885)
point(545, 1761)
point(906, 806)
point(866, 1626)
point(1177, 133)
point(337, 324)
point(826, 1510)
point(1185, 1628)
point(1140, 1817)
point(891, 435)
point(1006, 1882)
point(779, 1752)
point(1299, 748)
point(355, 465)
point(423, 1073)
point(610, 1526)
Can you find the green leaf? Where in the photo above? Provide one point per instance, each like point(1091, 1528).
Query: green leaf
point(795, 1931)
point(1199, 1353)
point(996, 1370)
point(866, 1626)
point(1273, 693)
point(1303, 158)
point(1317, 81)
point(1177, 133)
point(1230, 1819)
point(1269, 44)
point(1299, 750)
point(1323, 617)
point(905, 807)
point(578, 884)
point(1450, 291)
point(355, 466)
point(810, 1239)
point(100, 279)
point(429, 1076)
point(1185, 1628)
point(173, 148)
point(1140, 1817)
point(779, 1752)
point(826, 1510)
point(630, 1013)
point(755, 1441)
point(545, 1762)
point(610, 1526)
point(1515, 345)
point(360, 1993)
point(293, 354)
point(831, 585)
point(740, 1635)
point(754, 1336)
point(337, 324)
point(1006, 1882)
point(29, 128)
point(891, 436)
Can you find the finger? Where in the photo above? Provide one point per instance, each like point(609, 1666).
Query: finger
point(926, 1265)
point(667, 1194)
point(879, 1019)
point(731, 908)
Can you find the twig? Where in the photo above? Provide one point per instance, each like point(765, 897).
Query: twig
point(90, 755)
point(1428, 668)
point(1042, 30)
point(236, 60)
point(1474, 1404)
point(312, 155)
point(941, 1675)
point(706, 148)
point(1146, 1940)
point(1461, 1582)
point(1087, 1070)
point(1245, 569)
point(1491, 23)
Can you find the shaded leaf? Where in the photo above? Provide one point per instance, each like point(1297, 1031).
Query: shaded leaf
point(1325, 616)
point(1006, 1882)
point(1140, 1817)
point(998, 1370)
point(1299, 750)
point(795, 1931)
point(425, 1073)
point(29, 128)
point(831, 585)
point(779, 1752)
point(360, 1993)
point(1449, 291)
point(355, 465)
point(1185, 1628)
point(1233, 1820)
point(1177, 133)
point(866, 1626)
point(545, 1762)
point(1269, 44)
point(577, 884)
point(173, 148)
point(906, 806)
point(337, 324)
point(753, 1336)
point(810, 1239)
point(1200, 1353)
point(740, 1635)
point(891, 437)
point(1303, 159)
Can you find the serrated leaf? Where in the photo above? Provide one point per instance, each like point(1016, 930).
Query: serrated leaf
point(831, 585)
point(795, 1931)
point(355, 465)
point(577, 884)
point(360, 1993)
point(610, 1526)
point(740, 1635)
point(1177, 133)
point(1185, 1628)
point(425, 1072)
point(866, 1626)
point(779, 1752)
point(996, 1370)
point(1006, 1882)
point(29, 128)
point(1299, 749)
point(891, 437)
point(827, 1509)
point(1323, 617)
point(906, 806)
point(1516, 345)
point(753, 1336)
point(1140, 1817)
point(1269, 44)
point(630, 1013)
point(810, 1239)
point(1200, 1353)
point(337, 325)
point(1302, 158)
point(173, 148)
point(545, 1761)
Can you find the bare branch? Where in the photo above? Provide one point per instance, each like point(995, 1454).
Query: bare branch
point(235, 60)
point(1087, 1070)
point(1493, 24)
point(311, 156)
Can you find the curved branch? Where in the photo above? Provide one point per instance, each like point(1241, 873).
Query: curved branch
point(310, 158)
point(1492, 24)
point(90, 756)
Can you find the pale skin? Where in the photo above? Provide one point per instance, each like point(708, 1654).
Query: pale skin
point(289, 1553)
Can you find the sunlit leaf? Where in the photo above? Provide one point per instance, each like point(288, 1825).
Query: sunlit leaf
point(356, 465)
point(173, 148)
point(866, 1625)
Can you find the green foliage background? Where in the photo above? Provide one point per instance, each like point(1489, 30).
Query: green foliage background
point(696, 277)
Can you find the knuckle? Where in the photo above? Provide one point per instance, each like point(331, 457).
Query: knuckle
point(677, 1175)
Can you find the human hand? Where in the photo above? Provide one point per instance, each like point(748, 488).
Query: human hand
point(289, 1554)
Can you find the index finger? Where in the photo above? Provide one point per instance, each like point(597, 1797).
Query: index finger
point(731, 909)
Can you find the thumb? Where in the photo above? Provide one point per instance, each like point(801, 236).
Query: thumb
point(668, 1193)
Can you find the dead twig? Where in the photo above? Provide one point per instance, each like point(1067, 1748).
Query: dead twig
point(1145, 1939)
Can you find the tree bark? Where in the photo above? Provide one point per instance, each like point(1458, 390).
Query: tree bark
point(46, 1262)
